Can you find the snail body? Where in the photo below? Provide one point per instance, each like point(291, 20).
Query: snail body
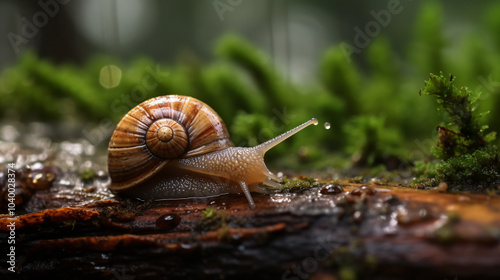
point(173, 147)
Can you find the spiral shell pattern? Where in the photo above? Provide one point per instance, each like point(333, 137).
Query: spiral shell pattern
point(159, 130)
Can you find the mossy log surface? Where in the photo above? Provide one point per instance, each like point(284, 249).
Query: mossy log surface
point(374, 232)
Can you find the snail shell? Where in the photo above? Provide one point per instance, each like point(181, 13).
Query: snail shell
point(159, 130)
point(175, 146)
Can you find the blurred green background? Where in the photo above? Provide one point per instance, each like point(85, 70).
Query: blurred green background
point(265, 66)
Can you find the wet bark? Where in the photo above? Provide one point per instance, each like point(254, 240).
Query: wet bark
point(375, 232)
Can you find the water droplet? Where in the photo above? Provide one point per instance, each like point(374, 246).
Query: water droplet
point(168, 221)
point(40, 177)
point(327, 125)
point(314, 121)
point(331, 189)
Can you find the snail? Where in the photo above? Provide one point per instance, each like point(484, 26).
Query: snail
point(174, 147)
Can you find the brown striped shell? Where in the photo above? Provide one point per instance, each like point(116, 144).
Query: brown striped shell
point(158, 130)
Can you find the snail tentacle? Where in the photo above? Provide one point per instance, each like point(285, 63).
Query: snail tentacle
point(266, 146)
point(272, 184)
point(271, 176)
point(245, 190)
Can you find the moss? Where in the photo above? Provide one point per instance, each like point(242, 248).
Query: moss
point(469, 171)
point(298, 185)
point(370, 141)
point(426, 173)
point(459, 106)
point(357, 179)
point(238, 51)
point(87, 175)
point(208, 213)
point(216, 220)
point(213, 219)
point(468, 157)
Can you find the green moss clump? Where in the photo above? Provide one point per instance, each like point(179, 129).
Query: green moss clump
point(467, 171)
point(426, 174)
point(299, 185)
point(370, 142)
point(208, 213)
point(87, 175)
point(468, 157)
point(212, 219)
point(216, 220)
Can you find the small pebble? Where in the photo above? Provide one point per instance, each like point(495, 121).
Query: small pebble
point(442, 187)
point(406, 216)
point(364, 190)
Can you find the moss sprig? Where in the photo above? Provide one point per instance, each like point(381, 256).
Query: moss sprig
point(460, 105)
point(469, 160)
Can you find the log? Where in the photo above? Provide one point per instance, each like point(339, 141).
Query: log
point(342, 231)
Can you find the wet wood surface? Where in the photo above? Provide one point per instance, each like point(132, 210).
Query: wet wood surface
point(346, 231)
